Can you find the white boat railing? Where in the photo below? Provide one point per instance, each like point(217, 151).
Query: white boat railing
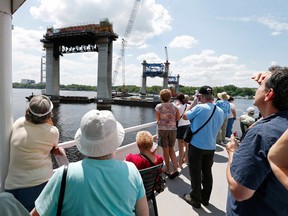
point(122, 151)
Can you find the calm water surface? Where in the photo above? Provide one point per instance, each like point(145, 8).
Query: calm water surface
point(67, 117)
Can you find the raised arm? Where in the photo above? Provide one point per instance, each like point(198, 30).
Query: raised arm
point(277, 157)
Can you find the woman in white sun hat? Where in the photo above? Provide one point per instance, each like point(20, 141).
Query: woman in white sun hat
point(99, 184)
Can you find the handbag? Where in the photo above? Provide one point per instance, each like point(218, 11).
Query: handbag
point(160, 183)
point(62, 191)
point(188, 135)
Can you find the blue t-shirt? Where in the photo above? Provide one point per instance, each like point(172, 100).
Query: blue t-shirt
point(251, 168)
point(94, 187)
point(225, 106)
point(206, 137)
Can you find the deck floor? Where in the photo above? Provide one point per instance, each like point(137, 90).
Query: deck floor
point(171, 203)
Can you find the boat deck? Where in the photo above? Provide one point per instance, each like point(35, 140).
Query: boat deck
point(171, 203)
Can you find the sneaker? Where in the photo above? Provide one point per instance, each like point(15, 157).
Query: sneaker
point(191, 201)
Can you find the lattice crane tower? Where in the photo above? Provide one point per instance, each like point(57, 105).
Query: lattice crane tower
point(127, 34)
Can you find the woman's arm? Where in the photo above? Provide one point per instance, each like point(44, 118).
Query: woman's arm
point(34, 212)
point(157, 117)
point(141, 207)
point(277, 157)
point(178, 115)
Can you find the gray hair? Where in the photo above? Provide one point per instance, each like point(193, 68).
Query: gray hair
point(39, 109)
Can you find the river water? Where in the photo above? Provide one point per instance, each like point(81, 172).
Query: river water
point(67, 117)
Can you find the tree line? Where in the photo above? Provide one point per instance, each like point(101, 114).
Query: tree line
point(190, 90)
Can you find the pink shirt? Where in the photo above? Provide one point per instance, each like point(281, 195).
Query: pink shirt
point(167, 113)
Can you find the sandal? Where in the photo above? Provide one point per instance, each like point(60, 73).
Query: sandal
point(173, 175)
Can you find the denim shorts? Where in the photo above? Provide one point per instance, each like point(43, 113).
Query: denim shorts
point(27, 196)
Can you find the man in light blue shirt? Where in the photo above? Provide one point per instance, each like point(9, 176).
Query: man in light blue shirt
point(202, 145)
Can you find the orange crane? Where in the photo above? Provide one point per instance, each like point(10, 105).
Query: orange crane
point(121, 59)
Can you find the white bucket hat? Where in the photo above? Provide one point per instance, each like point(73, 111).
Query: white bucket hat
point(250, 111)
point(99, 134)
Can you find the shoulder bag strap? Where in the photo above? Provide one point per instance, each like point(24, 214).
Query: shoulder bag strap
point(62, 191)
point(205, 122)
point(183, 111)
point(147, 158)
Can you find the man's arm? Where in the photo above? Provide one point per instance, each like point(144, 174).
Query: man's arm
point(195, 101)
point(239, 192)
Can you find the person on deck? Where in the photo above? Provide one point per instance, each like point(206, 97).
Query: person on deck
point(166, 116)
point(224, 104)
point(181, 128)
point(202, 145)
point(246, 120)
point(232, 117)
point(99, 184)
point(147, 148)
point(254, 189)
point(32, 140)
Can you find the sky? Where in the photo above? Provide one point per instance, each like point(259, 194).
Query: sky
point(208, 42)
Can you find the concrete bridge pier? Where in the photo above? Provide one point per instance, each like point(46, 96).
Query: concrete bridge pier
point(165, 75)
point(52, 72)
point(144, 79)
point(104, 81)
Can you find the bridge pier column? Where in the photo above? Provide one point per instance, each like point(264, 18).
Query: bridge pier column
point(165, 76)
point(104, 81)
point(144, 79)
point(52, 72)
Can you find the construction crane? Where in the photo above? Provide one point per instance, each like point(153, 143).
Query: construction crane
point(121, 58)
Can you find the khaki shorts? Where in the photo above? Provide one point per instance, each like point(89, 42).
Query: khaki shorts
point(168, 138)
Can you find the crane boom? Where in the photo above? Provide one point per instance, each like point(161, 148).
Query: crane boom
point(127, 34)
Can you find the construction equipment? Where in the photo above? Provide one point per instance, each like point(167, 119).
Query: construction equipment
point(121, 58)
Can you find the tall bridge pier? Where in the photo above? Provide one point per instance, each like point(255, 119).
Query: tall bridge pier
point(84, 38)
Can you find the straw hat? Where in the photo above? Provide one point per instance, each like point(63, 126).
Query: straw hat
point(99, 134)
point(223, 96)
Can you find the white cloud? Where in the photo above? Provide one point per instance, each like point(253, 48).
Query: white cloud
point(184, 41)
point(26, 39)
point(150, 57)
point(152, 19)
point(276, 24)
point(206, 68)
